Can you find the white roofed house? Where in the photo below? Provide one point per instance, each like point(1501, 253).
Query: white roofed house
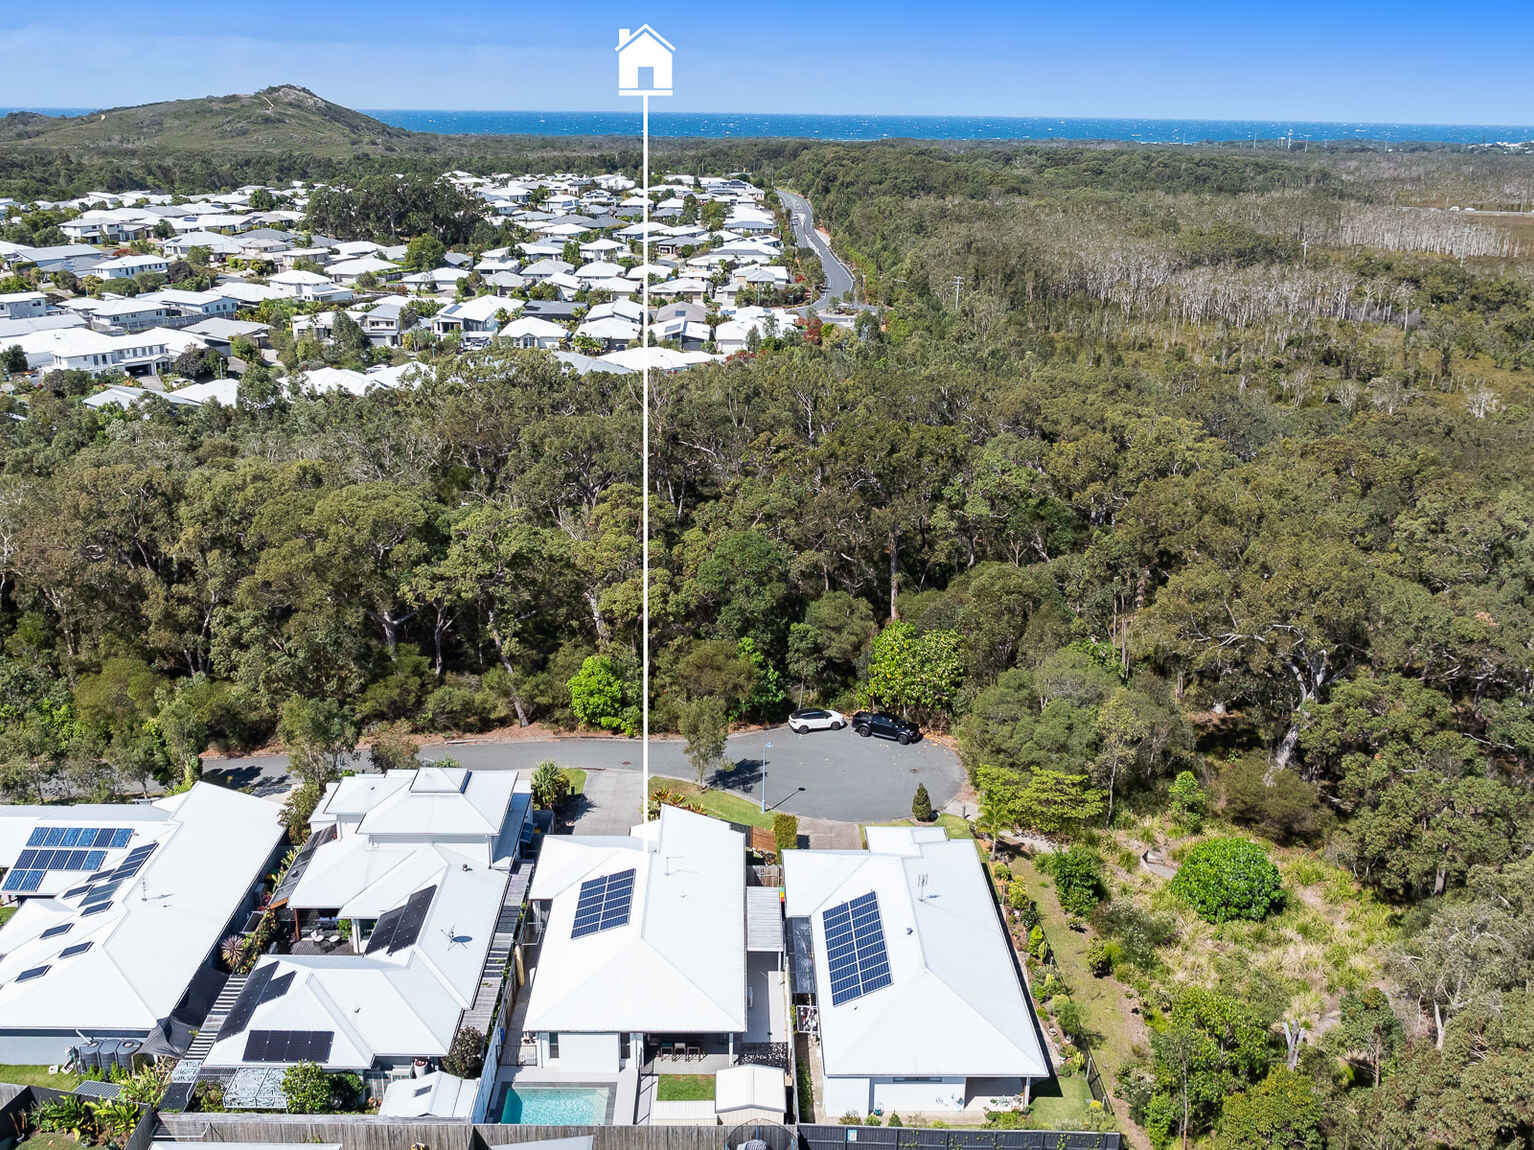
point(531, 331)
point(348, 271)
point(918, 993)
point(308, 286)
point(23, 305)
point(477, 320)
point(420, 864)
point(126, 267)
point(612, 332)
point(123, 909)
point(643, 950)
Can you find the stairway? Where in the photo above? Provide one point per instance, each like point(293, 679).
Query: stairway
point(207, 1033)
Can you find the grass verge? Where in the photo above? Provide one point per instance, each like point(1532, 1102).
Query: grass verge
point(720, 804)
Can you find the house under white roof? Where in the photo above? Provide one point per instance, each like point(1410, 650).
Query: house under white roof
point(918, 993)
point(418, 862)
point(643, 934)
point(131, 942)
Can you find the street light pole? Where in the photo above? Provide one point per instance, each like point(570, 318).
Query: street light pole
point(765, 748)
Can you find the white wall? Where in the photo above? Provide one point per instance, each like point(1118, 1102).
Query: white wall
point(894, 1094)
point(847, 1096)
point(598, 1053)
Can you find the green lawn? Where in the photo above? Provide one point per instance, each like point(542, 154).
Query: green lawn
point(38, 1076)
point(685, 1088)
point(576, 777)
point(1063, 1109)
point(956, 827)
point(44, 1140)
point(721, 804)
point(5, 914)
point(1100, 999)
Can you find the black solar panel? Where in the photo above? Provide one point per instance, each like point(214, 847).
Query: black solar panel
point(856, 959)
point(245, 1006)
point(34, 972)
point(412, 919)
point(71, 951)
point(383, 929)
point(398, 928)
point(55, 931)
point(289, 1045)
point(604, 903)
point(95, 908)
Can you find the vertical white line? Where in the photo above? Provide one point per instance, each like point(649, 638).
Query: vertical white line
point(644, 494)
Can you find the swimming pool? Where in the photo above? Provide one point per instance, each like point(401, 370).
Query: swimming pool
point(555, 1105)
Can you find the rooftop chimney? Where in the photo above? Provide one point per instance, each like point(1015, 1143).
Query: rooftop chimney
point(623, 36)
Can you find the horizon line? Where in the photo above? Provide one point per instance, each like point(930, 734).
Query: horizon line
point(1117, 118)
point(80, 109)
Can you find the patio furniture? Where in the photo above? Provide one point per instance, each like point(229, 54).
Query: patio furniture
point(695, 1054)
point(668, 1050)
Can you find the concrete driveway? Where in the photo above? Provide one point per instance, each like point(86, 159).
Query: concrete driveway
point(826, 774)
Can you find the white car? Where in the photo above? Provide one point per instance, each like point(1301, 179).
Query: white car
point(816, 719)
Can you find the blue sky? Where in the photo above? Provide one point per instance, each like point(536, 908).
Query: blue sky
point(1409, 61)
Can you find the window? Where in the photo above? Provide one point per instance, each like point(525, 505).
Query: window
point(553, 1046)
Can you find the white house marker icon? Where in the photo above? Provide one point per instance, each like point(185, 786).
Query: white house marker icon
point(644, 62)
point(644, 70)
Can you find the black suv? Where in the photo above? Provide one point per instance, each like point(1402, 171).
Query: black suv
point(868, 723)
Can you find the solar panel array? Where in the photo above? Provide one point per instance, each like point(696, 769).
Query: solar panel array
point(107, 838)
point(55, 931)
point(250, 997)
point(289, 1045)
point(856, 958)
point(71, 951)
point(73, 849)
point(60, 858)
point(34, 972)
point(604, 903)
point(398, 928)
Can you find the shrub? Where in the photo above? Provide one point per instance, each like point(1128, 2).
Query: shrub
point(549, 784)
point(894, 1120)
point(921, 804)
point(871, 1120)
point(785, 831)
point(1099, 961)
point(116, 1118)
point(1027, 910)
point(851, 1119)
point(466, 1057)
point(306, 1087)
point(1230, 878)
point(1078, 879)
point(1186, 801)
point(1067, 1015)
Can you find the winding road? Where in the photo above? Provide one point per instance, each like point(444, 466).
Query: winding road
point(839, 280)
point(825, 774)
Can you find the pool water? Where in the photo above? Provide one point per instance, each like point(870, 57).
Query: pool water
point(555, 1106)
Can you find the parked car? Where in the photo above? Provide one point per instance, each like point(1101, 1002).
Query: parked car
point(903, 731)
point(816, 719)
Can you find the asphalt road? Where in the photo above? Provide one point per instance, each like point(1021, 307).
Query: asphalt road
point(838, 276)
point(826, 774)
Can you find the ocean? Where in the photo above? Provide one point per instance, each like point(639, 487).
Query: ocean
point(728, 125)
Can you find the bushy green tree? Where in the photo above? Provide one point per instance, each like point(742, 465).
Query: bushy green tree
point(921, 804)
point(1229, 878)
point(600, 697)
